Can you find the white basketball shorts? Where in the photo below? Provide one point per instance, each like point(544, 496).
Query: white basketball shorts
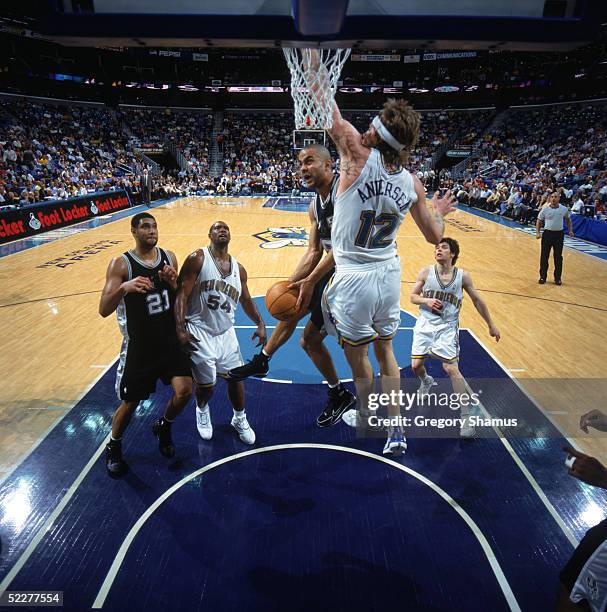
point(438, 340)
point(214, 355)
point(362, 303)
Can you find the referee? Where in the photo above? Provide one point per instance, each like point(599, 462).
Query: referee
point(552, 217)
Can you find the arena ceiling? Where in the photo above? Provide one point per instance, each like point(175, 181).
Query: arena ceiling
point(431, 24)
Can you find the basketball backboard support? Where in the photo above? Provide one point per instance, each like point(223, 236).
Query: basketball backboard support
point(305, 138)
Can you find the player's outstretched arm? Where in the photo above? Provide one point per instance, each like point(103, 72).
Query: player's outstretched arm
point(187, 279)
point(480, 305)
point(116, 286)
point(250, 309)
point(431, 225)
point(346, 137)
point(313, 253)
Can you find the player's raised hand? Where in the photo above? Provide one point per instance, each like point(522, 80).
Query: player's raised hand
point(443, 205)
point(139, 284)
point(168, 274)
point(594, 418)
point(587, 468)
point(494, 332)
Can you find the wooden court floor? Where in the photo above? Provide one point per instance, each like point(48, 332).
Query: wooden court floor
point(55, 344)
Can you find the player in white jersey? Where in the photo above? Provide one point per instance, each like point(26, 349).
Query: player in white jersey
point(375, 193)
point(439, 292)
point(211, 285)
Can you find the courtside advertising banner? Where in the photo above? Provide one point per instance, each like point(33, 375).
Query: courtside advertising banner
point(32, 220)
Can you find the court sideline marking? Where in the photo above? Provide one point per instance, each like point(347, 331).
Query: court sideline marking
point(51, 519)
point(515, 457)
point(53, 425)
point(118, 560)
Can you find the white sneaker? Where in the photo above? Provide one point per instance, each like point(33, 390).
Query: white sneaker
point(425, 386)
point(467, 430)
point(203, 422)
point(396, 444)
point(244, 430)
point(350, 417)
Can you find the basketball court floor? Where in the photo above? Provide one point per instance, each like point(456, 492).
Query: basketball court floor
point(307, 518)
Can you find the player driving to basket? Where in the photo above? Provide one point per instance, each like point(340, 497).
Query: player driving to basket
point(362, 302)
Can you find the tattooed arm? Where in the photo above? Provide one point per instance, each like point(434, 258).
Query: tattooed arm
point(352, 153)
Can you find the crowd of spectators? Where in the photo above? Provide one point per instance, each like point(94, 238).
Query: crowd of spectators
point(537, 151)
point(53, 151)
point(50, 152)
point(189, 131)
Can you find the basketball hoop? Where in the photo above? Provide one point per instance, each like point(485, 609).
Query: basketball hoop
point(313, 81)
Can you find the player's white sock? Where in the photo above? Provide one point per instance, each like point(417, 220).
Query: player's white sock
point(333, 386)
point(239, 413)
point(265, 354)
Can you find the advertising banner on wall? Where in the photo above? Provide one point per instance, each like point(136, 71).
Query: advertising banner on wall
point(32, 220)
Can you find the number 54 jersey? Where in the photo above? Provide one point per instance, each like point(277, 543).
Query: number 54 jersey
point(213, 301)
point(368, 214)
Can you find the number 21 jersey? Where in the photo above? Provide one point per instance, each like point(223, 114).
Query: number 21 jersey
point(147, 318)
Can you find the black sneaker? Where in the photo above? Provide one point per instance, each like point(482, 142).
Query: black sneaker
point(340, 400)
point(542, 281)
point(558, 282)
point(162, 430)
point(257, 367)
point(116, 467)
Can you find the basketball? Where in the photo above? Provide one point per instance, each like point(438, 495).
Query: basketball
point(281, 301)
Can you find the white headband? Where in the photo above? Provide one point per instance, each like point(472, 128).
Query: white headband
point(385, 135)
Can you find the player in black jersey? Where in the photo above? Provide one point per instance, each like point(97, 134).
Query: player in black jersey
point(140, 286)
point(317, 172)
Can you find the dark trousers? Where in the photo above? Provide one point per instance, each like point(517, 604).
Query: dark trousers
point(552, 240)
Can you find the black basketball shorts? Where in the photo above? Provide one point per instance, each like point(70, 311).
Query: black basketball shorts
point(140, 366)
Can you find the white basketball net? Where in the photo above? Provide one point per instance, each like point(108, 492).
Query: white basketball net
point(314, 74)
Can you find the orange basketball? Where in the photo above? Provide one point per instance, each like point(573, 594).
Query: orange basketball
point(281, 301)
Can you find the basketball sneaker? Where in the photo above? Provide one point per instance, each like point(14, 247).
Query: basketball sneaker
point(396, 444)
point(257, 367)
point(425, 386)
point(243, 429)
point(339, 401)
point(350, 417)
point(203, 422)
point(115, 465)
point(162, 430)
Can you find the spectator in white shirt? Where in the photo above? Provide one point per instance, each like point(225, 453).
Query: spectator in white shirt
point(578, 206)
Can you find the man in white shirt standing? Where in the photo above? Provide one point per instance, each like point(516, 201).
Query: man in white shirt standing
point(552, 217)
